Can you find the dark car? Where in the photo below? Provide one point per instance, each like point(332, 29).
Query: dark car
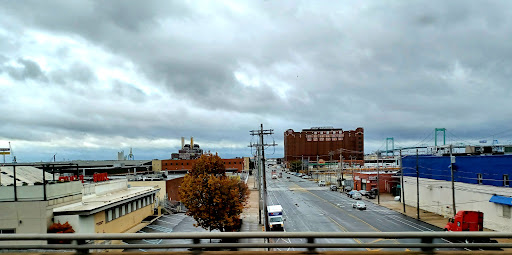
point(334, 187)
point(372, 193)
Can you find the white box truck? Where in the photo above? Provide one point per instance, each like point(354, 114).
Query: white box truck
point(275, 217)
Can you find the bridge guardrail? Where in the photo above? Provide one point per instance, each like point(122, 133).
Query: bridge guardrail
point(425, 240)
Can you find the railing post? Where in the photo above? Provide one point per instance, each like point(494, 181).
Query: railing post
point(311, 240)
point(81, 251)
point(196, 250)
point(427, 240)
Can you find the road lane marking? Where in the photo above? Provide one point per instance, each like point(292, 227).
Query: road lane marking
point(349, 214)
point(346, 230)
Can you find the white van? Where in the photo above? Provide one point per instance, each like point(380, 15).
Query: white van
point(321, 183)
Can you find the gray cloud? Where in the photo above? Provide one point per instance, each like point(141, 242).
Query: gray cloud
point(398, 69)
point(28, 69)
point(76, 73)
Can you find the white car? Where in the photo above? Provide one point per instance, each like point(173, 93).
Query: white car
point(305, 177)
point(274, 176)
point(357, 196)
point(321, 183)
point(360, 205)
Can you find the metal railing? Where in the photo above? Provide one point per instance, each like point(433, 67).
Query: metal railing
point(422, 240)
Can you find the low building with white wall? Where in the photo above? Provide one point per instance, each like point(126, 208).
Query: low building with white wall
point(481, 183)
point(108, 206)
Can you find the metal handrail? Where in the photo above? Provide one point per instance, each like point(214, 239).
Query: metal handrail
point(239, 235)
point(425, 242)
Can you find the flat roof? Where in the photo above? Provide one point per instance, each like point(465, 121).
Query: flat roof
point(27, 174)
point(93, 203)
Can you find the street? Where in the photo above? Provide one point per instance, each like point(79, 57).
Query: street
point(310, 208)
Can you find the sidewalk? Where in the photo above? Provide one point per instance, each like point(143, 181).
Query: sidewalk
point(250, 220)
point(388, 201)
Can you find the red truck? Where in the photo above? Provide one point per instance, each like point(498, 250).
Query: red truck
point(468, 221)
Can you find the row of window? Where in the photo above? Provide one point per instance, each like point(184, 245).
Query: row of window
point(121, 210)
point(176, 164)
point(506, 181)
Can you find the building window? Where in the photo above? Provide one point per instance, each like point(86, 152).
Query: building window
point(505, 180)
point(123, 210)
point(109, 215)
point(7, 231)
point(134, 205)
point(129, 208)
point(116, 213)
point(506, 211)
point(139, 204)
point(479, 178)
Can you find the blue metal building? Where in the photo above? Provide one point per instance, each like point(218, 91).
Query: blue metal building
point(492, 170)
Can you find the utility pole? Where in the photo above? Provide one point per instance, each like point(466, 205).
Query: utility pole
point(302, 163)
point(261, 132)
point(402, 180)
point(257, 180)
point(453, 181)
point(417, 186)
point(378, 179)
point(342, 184)
point(330, 162)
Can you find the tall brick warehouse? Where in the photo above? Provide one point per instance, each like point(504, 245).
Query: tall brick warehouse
point(322, 142)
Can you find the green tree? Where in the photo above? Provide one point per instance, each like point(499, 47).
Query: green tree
point(296, 166)
point(213, 199)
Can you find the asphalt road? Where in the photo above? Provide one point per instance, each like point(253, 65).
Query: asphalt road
point(310, 208)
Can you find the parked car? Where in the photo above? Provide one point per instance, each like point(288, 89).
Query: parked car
point(274, 176)
point(364, 192)
point(372, 193)
point(351, 193)
point(348, 188)
point(357, 196)
point(305, 177)
point(334, 187)
point(360, 205)
point(321, 183)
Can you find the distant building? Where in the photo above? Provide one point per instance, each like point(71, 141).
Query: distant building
point(482, 183)
point(99, 206)
point(181, 165)
point(387, 181)
point(323, 144)
point(188, 151)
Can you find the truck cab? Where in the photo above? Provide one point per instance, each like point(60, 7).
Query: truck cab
point(466, 221)
point(275, 217)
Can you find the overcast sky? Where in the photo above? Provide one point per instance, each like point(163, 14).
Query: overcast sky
point(85, 79)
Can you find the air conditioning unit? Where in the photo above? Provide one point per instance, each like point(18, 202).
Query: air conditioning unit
point(429, 187)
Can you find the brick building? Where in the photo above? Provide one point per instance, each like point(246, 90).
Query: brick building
point(232, 165)
point(320, 143)
point(388, 181)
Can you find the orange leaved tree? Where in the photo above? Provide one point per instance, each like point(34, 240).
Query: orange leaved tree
point(60, 228)
point(213, 199)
